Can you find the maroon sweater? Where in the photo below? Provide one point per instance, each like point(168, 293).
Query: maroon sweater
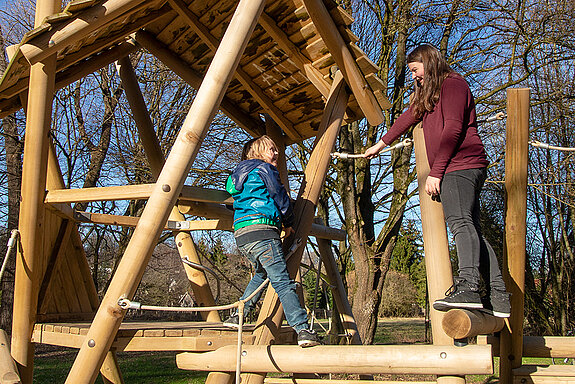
point(450, 130)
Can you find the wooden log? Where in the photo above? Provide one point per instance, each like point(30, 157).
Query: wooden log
point(547, 374)
point(270, 316)
point(437, 261)
point(8, 369)
point(538, 346)
point(170, 182)
point(338, 291)
point(344, 60)
point(293, 380)
point(151, 144)
point(365, 359)
point(516, 160)
point(461, 323)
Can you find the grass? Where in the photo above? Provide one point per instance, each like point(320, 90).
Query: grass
point(52, 365)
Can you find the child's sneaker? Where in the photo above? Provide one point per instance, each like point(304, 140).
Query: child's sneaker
point(498, 304)
point(307, 338)
point(459, 295)
point(233, 321)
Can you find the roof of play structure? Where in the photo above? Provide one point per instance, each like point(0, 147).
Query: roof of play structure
point(284, 71)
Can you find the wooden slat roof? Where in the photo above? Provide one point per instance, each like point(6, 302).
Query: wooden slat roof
point(284, 72)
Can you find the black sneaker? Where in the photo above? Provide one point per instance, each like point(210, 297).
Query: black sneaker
point(232, 321)
point(459, 295)
point(307, 338)
point(498, 304)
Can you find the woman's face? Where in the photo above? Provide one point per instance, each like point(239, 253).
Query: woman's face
point(271, 156)
point(417, 72)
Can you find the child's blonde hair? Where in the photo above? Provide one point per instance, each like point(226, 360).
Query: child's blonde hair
point(255, 148)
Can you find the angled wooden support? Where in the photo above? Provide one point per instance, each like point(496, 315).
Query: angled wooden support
point(516, 160)
point(250, 124)
point(257, 93)
point(437, 262)
point(360, 359)
point(461, 323)
point(184, 242)
point(170, 182)
point(338, 291)
point(270, 316)
point(343, 58)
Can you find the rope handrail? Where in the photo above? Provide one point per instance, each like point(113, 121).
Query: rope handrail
point(343, 155)
point(538, 144)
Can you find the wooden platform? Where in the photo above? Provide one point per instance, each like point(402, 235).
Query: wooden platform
point(154, 336)
point(549, 374)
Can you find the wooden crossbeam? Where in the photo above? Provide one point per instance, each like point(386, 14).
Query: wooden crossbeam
point(256, 92)
point(362, 359)
point(133, 192)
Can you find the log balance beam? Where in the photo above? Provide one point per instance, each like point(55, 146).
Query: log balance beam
point(462, 323)
point(365, 359)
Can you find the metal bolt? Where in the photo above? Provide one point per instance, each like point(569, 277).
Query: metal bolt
point(91, 343)
point(443, 355)
point(210, 343)
point(166, 188)
point(244, 353)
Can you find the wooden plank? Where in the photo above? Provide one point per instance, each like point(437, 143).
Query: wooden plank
point(133, 192)
point(538, 346)
point(552, 374)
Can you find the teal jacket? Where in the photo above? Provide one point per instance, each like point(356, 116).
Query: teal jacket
point(259, 196)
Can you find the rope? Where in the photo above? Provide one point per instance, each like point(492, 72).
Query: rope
point(401, 144)
point(497, 116)
point(15, 235)
point(538, 144)
point(187, 261)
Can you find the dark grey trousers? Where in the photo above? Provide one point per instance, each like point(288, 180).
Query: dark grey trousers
point(460, 199)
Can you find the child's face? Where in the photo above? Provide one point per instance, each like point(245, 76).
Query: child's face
point(271, 156)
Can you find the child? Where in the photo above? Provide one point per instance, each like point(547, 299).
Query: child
point(444, 104)
point(261, 207)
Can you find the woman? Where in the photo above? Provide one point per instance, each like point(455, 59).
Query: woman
point(443, 103)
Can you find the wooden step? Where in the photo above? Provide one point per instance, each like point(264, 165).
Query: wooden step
point(544, 374)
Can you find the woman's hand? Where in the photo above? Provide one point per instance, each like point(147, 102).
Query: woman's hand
point(432, 186)
point(374, 150)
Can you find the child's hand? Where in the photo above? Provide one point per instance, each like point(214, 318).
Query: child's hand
point(287, 232)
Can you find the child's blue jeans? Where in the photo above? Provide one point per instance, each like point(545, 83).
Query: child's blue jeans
point(268, 260)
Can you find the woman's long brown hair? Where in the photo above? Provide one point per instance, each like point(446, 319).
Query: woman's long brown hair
point(435, 70)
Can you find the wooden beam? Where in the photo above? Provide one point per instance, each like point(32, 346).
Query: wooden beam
point(250, 124)
point(537, 346)
point(256, 92)
point(170, 182)
point(516, 160)
point(133, 192)
point(344, 60)
point(293, 380)
point(66, 34)
point(364, 359)
point(461, 323)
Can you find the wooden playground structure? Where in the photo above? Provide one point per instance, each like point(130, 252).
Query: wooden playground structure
point(295, 62)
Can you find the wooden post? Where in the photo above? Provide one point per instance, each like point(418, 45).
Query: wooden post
point(270, 318)
point(516, 158)
point(437, 262)
point(31, 223)
point(170, 182)
point(184, 242)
